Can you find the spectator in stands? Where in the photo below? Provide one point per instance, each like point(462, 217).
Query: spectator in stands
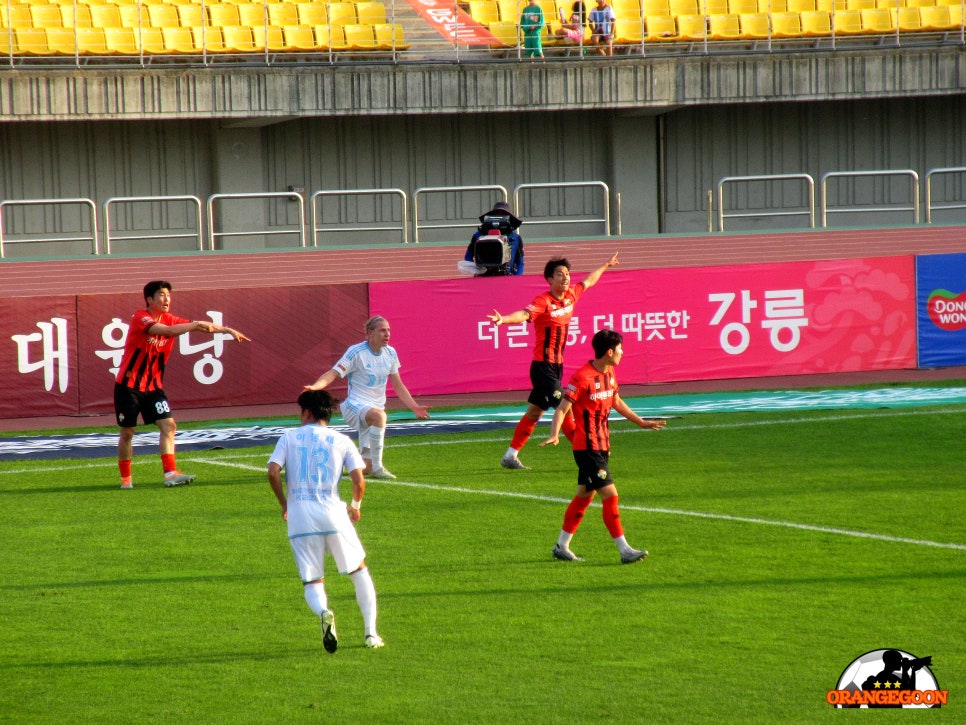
point(138, 386)
point(502, 222)
point(532, 24)
point(369, 365)
point(572, 29)
point(602, 19)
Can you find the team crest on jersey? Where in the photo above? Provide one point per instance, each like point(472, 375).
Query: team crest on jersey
point(601, 474)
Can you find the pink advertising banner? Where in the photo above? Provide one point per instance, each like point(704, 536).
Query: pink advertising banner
point(678, 324)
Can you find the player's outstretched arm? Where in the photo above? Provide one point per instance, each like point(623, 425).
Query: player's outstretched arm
point(625, 410)
point(519, 316)
point(402, 392)
point(591, 279)
point(275, 481)
point(236, 335)
point(323, 381)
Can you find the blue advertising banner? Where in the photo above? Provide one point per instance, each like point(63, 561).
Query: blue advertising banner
point(941, 309)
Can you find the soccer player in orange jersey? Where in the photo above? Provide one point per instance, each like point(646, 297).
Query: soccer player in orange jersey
point(138, 387)
point(591, 394)
point(550, 314)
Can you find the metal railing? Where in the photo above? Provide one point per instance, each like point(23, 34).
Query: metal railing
point(943, 205)
point(109, 236)
point(806, 178)
point(403, 227)
point(913, 197)
point(289, 196)
point(65, 238)
point(450, 190)
point(517, 205)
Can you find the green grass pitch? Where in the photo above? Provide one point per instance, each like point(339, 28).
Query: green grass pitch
point(783, 546)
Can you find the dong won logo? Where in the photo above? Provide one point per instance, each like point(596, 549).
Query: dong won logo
point(887, 678)
point(947, 310)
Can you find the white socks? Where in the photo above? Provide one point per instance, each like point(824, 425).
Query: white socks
point(366, 598)
point(315, 597)
point(563, 541)
point(377, 441)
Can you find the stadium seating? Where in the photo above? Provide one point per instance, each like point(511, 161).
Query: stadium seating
point(390, 36)
point(485, 11)
point(312, 14)
point(724, 27)
point(877, 21)
point(283, 14)
point(660, 28)
point(786, 25)
point(754, 26)
point(371, 13)
point(300, 37)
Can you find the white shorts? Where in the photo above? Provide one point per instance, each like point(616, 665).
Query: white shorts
point(355, 416)
point(309, 550)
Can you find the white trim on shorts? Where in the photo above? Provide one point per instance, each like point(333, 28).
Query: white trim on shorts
point(354, 415)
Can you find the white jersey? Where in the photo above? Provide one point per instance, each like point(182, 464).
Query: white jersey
point(313, 457)
point(368, 374)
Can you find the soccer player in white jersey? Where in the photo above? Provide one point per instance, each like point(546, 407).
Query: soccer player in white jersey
point(368, 366)
point(313, 457)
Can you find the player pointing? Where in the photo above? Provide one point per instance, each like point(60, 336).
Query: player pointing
point(549, 313)
point(591, 394)
point(369, 365)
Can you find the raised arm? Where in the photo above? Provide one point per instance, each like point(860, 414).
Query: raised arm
point(591, 279)
point(625, 410)
point(519, 316)
point(194, 326)
point(324, 380)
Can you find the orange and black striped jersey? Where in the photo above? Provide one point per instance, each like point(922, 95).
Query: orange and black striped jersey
point(550, 318)
point(142, 367)
point(592, 394)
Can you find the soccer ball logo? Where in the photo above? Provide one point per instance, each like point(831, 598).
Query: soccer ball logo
point(906, 678)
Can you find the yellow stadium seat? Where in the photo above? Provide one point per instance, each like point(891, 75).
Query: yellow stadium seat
point(660, 28)
point(754, 26)
point(270, 38)
point(956, 16)
point(284, 14)
point(847, 22)
point(46, 16)
point(312, 14)
point(60, 41)
point(920, 3)
point(628, 31)
point(723, 27)
point(239, 39)
point(390, 36)
point(786, 25)
point(935, 18)
point(323, 39)
point(505, 34)
point(830, 6)
point(252, 14)
point(179, 40)
point(299, 37)
point(342, 13)
point(906, 19)
point(191, 15)
point(212, 40)
point(510, 10)
point(859, 4)
point(359, 37)
point(91, 41)
point(76, 16)
point(801, 6)
point(372, 13)
point(337, 37)
point(743, 7)
point(655, 7)
point(692, 27)
point(684, 7)
point(30, 41)
point(133, 16)
point(714, 7)
point(816, 24)
point(485, 11)
point(223, 15)
point(150, 41)
point(105, 16)
point(163, 16)
point(772, 6)
point(623, 8)
point(15, 16)
point(120, 40)
point(877, 21)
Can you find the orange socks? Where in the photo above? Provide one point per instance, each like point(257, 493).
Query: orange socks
point(168, 463)
point(522, 433)
point(575, 513)
point(612, 517)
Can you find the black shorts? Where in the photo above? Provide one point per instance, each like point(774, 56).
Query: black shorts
point(128, 403)
point(546, 379)
point(593, 472)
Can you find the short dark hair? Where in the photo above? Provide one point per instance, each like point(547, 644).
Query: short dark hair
point(152, 288)
point(319, 403)
point(605, 340)
point(551, 266)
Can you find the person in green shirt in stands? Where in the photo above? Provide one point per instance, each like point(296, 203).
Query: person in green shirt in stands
point(532, 23)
